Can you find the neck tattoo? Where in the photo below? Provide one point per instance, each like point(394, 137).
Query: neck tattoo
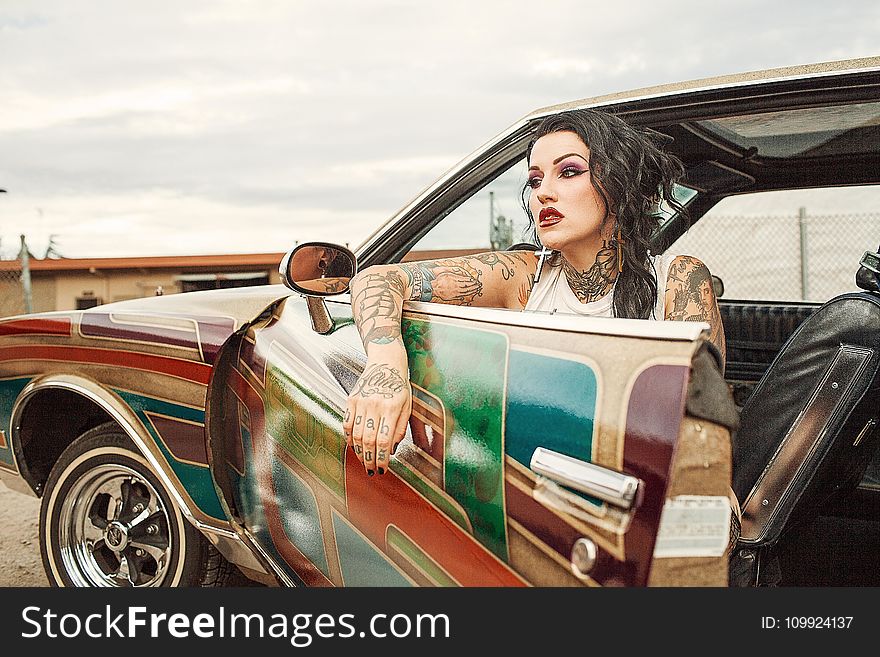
point(595, 282)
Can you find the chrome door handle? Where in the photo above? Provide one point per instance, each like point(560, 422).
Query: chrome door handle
point(614, 487)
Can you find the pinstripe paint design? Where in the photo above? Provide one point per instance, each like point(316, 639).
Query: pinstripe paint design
point(49, 326)
point(10, 389)
point(247, 497)
point(653, 419)
point(428, 426)
point(196, 479)
point(260, 480)
point(203, 334)
point(468, 367)
point(421, 564)
point(178, 368)
point(299, 516)
point(459, 554)
point(184, 439)
point(551, 403)
point(361, 563)
point(464, 558)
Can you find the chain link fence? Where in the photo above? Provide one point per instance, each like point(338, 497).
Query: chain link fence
point(798, 257)
point(11, 289)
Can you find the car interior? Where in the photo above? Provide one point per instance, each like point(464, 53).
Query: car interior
point(805, 375)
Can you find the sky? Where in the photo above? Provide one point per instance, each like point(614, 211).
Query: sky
point(175, 128)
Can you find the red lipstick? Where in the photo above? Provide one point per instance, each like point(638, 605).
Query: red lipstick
point(549, 216)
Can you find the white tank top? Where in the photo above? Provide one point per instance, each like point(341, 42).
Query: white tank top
point(552, 293)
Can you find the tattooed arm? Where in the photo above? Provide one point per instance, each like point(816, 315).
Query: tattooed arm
point(690, 297)
point(380, 404)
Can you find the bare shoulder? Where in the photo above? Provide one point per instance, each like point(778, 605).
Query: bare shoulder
point(690, 296)
point(686, 269)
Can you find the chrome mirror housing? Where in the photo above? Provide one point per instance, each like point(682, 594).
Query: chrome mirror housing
point(317, 270)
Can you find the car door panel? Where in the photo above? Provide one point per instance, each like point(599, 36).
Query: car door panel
point(460, 504)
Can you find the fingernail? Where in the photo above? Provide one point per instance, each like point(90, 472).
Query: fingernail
point(394, 447)
point(381, 470)
point(370, 472)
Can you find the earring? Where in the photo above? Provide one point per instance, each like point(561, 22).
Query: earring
point(620, 243)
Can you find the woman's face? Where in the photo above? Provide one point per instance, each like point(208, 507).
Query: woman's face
point(568, 210)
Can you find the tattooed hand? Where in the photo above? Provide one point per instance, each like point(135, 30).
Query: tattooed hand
point(380, 403)
point(378, 410)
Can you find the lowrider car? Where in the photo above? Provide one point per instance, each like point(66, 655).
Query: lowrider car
point(195, 438)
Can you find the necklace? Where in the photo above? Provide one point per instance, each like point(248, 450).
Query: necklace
point(593, 283)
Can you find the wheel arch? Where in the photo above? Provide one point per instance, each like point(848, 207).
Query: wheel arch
point(94, 405)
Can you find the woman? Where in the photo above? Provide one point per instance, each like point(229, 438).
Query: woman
point(593, 188)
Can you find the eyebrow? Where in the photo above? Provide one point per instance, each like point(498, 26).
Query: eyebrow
point(560, 158)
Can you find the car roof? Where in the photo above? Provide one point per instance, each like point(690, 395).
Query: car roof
point(801, 126)
point(717, 83)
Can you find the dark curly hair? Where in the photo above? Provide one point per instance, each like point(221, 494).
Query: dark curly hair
point(632, 174)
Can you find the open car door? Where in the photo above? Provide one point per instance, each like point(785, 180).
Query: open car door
point(542, 451)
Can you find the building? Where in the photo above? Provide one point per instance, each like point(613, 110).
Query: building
point(78, 283)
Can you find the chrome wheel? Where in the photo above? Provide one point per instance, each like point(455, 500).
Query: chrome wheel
point(106, 519)
point(114, 529)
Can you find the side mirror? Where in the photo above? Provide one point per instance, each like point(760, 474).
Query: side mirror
point(318, 269)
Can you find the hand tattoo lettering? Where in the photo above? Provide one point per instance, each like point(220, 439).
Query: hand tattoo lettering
point(380, 380)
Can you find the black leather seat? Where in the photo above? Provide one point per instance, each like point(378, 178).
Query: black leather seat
point(810, 428)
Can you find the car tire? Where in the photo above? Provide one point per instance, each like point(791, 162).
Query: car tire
point(106, 520)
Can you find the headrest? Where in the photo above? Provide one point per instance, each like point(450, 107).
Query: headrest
point(868, 275)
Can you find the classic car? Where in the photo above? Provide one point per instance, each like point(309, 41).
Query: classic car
point(195, 438)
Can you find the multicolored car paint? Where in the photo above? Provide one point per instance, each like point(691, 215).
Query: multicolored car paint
point(460, 505)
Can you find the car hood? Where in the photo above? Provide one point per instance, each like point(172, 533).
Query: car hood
point(242, 304)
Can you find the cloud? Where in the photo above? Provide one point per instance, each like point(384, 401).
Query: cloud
point(226, 112)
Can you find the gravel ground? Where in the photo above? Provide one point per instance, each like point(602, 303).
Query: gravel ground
point(20, 563)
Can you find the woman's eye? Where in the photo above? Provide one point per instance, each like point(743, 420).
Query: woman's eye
point(533, 182)
point(570, 172)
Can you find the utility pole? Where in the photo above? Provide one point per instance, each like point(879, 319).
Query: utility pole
point(500, 230)
point(805, 271)
point(24, 256)
point(2, 191)
point(492, 232)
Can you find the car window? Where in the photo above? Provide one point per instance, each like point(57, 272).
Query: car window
point(792, 245)
point(492, 219)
